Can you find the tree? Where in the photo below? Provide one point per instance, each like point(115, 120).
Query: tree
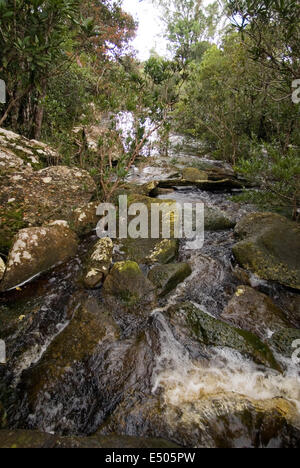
point(34, 39)
point(188, 23)
point(274, 29)
point(41, 40)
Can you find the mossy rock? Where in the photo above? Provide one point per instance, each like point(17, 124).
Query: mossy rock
point(270, 247)
point(213, 332)
point(191, 174)
point(84, 219)
point(216, 220)
point(253, 311)
point(167, 277)
point(282, 342)
point(32, 198)
point(127, 283)
point(90, 325)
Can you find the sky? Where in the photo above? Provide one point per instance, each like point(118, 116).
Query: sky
point(150, 29)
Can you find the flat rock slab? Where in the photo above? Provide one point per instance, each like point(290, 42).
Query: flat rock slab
point(208, 185)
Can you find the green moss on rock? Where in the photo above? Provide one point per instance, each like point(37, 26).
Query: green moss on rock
point(167, 277)
point(270, 247)
point(282, 342)
point(213, 332)
point(191, 174)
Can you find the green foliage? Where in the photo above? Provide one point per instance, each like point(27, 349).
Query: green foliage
point(62, 111)
point(188, 23)
point(277, 175)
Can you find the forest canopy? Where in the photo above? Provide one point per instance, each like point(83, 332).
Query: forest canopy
point(230, 80)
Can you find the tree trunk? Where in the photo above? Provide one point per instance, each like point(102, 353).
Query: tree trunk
point(39, 114)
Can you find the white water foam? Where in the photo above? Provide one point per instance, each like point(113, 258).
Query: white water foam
point(226, 371)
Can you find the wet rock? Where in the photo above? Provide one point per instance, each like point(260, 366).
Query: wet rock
point(167, 277)
point(216, 220)
point(255, 312)
point(212, 332)
point(270, 247)
point(34, 439)
point(99, 263)
point(2, 268)
point(220, 420)
point(210, 285)
point(286, 342)
point(191, 174)
point(35, 250)
point(127, 283)
point(147, 251)
point(66, 370)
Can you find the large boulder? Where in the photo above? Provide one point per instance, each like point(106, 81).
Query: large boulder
point(98, 263)
point(127, 283)
point(167, 277)
point(270, 247)
point(35, 250)
point(31, 198)
point(255, 312)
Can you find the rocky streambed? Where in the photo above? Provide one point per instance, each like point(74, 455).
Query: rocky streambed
point(144, 342)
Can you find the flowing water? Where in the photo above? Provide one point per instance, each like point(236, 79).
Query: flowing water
point(154, 361)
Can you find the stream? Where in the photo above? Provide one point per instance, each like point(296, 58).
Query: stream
point(152, 378)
